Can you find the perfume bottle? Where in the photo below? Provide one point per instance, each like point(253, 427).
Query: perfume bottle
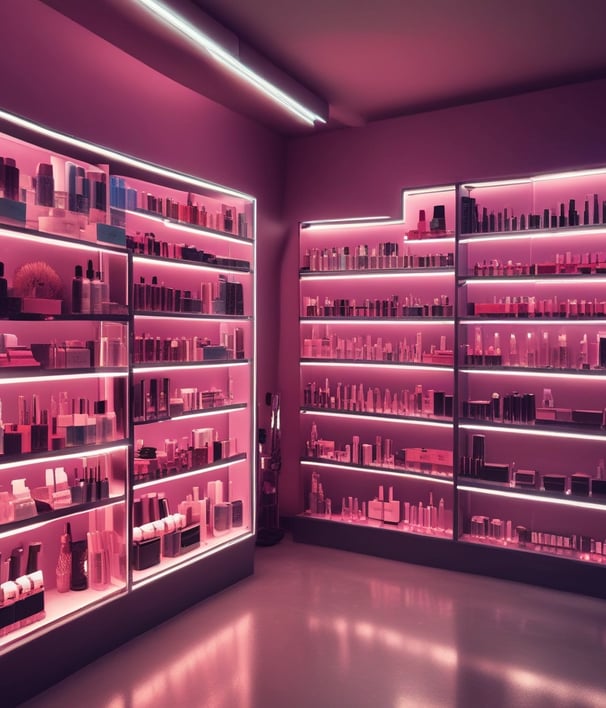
point(64, 561)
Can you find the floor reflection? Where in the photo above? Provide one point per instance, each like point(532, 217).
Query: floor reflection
point(317, 627)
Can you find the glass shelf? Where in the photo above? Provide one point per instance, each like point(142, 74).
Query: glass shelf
point(213, 466)
point(184, 226)
point(401, 472)
point(384, 417)
point(373, 363)
point(43, 517)
point(199, 265)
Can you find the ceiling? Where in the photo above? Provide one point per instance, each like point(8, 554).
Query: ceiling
point(373, 59)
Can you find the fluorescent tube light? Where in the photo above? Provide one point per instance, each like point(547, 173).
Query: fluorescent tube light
point(229, 61)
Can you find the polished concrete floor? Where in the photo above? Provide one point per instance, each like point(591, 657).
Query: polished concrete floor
point(328, 629)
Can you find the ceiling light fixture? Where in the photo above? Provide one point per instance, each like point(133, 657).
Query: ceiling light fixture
point(229, 61)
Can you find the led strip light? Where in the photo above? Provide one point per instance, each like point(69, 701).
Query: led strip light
point(223, 57)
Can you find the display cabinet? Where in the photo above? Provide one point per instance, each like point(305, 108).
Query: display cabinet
point(64, 374)
point(193, 363)
point(127, 388)
point(502, 442)
point(532, 335)
point(377, 369)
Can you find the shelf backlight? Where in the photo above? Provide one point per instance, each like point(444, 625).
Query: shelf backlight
point(352, 223)
point(534, 373)
point(26, 462)
point(189, 367)
point(395, 322)
point(360, 275)
point(405, 366)
point(531, 498)
point(186, 475)
point(387, 418)
point(530, 235)
point(538, 321)
point(197, 231)
point(535, 432)
point(62, 377)
point(324, 462)
point(57, 243)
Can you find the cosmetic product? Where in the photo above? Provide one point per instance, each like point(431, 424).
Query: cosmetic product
point(11, 179)
point(96, 290)
point(97, 560)
point(22, 504)
point(3, 283)
point(105, 422)
point(78, 296)
point(45, 185)
point(422, 224)
point(78, 577)
point(580, 484)
point(524, 478)
point(63, 570)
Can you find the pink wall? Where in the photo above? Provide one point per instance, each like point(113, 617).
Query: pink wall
point(362, 172)
point(60, 74)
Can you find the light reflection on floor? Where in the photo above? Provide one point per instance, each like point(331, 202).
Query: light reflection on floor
point(323, 628)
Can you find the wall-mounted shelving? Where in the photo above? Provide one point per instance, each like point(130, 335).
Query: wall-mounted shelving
point(127, 380)
point(509, 329)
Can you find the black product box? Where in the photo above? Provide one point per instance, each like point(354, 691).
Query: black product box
point(171, 544)
point(7, 615)
point(554, 483)
point(598, 488)
point(589, 418)
point(214, 353)
point(579, 484)
point(237, 513)
point(190, 538)
point(146, 553)
point(524, 478)
point(30, 605)
point(493, 472)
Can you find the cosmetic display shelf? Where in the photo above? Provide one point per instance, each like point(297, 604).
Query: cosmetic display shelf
point(380, 364)
point(528, 371)
point(67, 511)
point(142, 367)
point(540, 278)
point(381, 320)
point(537, 550)
point(588, 229)
point(156, 314)
point(217, 465)
point(470, 485)
point(199, 413)
point(64, 453)
point(59, 607)
point(550, 428)
point(387, 417)
point(207, 547)
point(401, 527)
point(392, 471)
point(374, 272)
point(184, 226)
point(24, 234)
point(191, 264)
